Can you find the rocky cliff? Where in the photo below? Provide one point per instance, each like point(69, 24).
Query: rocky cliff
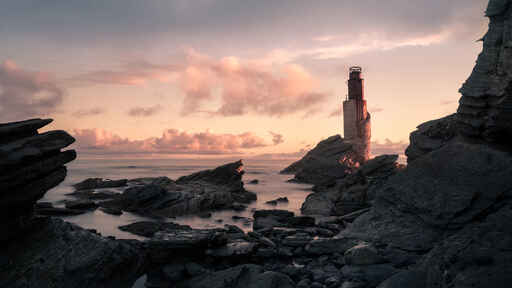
point(47, 252)
point(444, 218)
point(485, 109)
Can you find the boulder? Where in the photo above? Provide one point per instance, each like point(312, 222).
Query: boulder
point(59, 254)
point(353, 192)
point(243, 276)
point(322, 162)
point(431, 136)
point(199, 193)
point(97, 183)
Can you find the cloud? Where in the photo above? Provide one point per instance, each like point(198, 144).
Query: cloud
point(388, 147)
point(88, 112)
point(144, 111)
point(100, 142)
point(133, 73)
point(239, 87)
point(25, 93)
point(276, 138)
point(248, 87)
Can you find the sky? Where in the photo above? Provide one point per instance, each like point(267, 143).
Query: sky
point(204, 78)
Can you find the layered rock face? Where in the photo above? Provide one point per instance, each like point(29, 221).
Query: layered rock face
point(47, 252)
point(30, 164)
point(485, 109)
point(351, 192)
point(322, 162)
point(445, 216)
point(208, 190)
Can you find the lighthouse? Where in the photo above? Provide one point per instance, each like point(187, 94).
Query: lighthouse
point(356, 119)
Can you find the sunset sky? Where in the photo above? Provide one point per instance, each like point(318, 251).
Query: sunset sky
point(221, 77)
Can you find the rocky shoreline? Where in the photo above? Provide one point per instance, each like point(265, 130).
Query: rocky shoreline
point(441, 221)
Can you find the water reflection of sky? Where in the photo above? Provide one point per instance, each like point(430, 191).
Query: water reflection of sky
point(271, 186)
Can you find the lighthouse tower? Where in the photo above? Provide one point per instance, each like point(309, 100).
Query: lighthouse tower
point(356, 119)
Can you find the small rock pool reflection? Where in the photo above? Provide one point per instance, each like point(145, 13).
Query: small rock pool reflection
point(271, 185)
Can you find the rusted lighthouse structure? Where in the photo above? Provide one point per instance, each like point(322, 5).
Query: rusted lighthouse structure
point(356, 119)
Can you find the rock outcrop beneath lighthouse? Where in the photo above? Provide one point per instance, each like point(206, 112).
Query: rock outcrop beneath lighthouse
point(322, 163)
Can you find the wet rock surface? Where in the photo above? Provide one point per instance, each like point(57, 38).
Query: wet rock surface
point(321, 162)
point(199, 193)
point(352, 191)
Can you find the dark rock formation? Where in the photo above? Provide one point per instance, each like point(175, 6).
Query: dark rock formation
point(485, 109)
point(445, 217)
point(47, 252)
point(96, 183)
point(59, 254)
point(277, 201)
point(431, 136)
point(30, 164)
point(220, 188)
point(351, 192)
point(322, 162)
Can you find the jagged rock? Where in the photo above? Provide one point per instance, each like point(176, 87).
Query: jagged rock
point(243, 276)
point(149, 228)
point(322, 162)
point(97, 183)
point(485, 109)
point(353, 191)
point(94, 195)
point(265, 219)
point(81, 205)
point(237, 248)
point(112, 211)
point(170, 243)
point(431, 136)
point(402, 279)
point(277, 201)
point(30, 164)
point(445, 189)
point(371, 275)
point(199, 193)
point(271, 218)
point(324, 246)
point(363, 254)
point(59, 254)
point(57, 211)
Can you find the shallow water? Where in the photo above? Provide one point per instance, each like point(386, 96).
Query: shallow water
point(271, 186)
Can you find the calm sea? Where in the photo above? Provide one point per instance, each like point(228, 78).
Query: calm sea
point(271, 186)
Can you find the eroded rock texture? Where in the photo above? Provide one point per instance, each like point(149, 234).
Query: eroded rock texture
point(30, 164)
point(321, 162)
point(219, 188)
point(485, 109)
point(48, 252)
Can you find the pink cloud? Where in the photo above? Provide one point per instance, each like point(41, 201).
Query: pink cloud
point(25, 93)
point(239, 87)
point(99, 141)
